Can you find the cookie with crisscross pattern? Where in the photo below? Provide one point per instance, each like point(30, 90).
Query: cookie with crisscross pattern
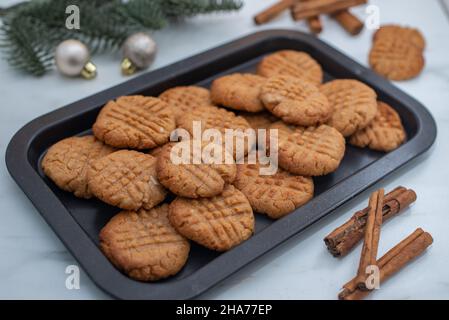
point(396, 58)
point(291, 63)
point(67, 161)
point(238, 91)
point(312, 151)
point(384, 133)
point(354, 103)
point(134, 122)
point(184, 98)
point(295, 101)
point(273, 194)
point(412, 35)
point(218, 223)
point(211, 117)
point(259, 120)
point(144, 245)
point(187, 169)
point(126, 179)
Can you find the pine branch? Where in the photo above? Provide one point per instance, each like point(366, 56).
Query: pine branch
point(31, 30)
point(101, 27)
point(5, 11)
point(25, 49)
point(143, 13)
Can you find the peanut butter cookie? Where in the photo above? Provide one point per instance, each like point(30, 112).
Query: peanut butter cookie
point(211, 117)
point(205, 176)
point(412, 35)
point(238, 91)
point(144, 245)
point(384, 133)
point(135, 122)
point(312, 151)
point(126, 179)
point(274, 195)
point(396, 58)
point(66, 163)
point(218, 223)
point(295, 101)
point(157, 151)
point(185, 98)
point(291, 63)
point(259, 120)
point(355, 105)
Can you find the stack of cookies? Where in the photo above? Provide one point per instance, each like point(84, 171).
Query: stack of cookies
point(129, 161)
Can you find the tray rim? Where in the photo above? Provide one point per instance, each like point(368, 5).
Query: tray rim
point(109, 279)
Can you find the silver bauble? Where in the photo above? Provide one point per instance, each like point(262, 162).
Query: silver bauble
point(71, 57)
point(139, 50)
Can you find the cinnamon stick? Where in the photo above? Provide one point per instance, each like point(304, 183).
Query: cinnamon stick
point(372, 236)
point(340, 241)
point(273, 11)
point(348, 21)
point(393, 261)
point(314, 22)
point(303, 10)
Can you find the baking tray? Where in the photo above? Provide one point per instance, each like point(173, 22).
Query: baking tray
point(77, 222)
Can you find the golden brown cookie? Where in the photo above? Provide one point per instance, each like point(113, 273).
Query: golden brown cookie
point(205, 178)
point(185, 98)
point(312, 151)
point(291, 63)
point(135, 122)
point(274, 195)
point(144, 245)
point(396, 58)
point(218, 223)
point(259, 120)
point(67, 161)
point(238, 91)
point(384, 133)
point(211, 117)
point(295, 101)
point(126, 179)
point(355, 105)
point(156, 151)
point(412, 35)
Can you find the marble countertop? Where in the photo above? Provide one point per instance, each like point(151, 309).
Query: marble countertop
point(33, 261)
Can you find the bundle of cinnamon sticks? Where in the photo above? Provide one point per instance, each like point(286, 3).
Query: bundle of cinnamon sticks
point(367, 224)
point(310, 10)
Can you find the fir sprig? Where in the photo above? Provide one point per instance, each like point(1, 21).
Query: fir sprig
point(31, 30)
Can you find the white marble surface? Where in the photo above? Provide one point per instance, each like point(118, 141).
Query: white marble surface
point(33, 260)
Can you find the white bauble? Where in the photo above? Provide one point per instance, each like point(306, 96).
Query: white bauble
point(71, 57)
point(140, 49)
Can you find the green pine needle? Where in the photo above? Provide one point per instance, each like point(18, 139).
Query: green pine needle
point(31, 30)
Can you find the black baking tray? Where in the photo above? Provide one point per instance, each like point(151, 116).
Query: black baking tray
point(77, 222)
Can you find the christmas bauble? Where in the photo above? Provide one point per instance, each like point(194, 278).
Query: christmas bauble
point(72, 59)
point(139, 51)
